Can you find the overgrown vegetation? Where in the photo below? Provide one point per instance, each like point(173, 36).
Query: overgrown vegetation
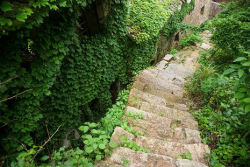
point(190, 39)
point(59, 70)
point(221, 87)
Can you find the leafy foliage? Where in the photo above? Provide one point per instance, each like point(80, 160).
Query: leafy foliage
point(221, 85)
point(56, 72)
point(190, 39)
point(147, 18)
point(131, 144)
point(95, 138)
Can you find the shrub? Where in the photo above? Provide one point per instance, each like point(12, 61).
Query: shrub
point(190, 39)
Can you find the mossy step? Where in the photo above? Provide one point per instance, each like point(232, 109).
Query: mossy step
point(137, 97)
point(174, 149)
point(157, 120)
point(165, 111)
point(126, 157)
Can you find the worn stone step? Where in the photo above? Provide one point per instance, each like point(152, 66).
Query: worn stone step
point(188, 163)
point(158, 120)
point(126, 157)
point(168, 77)
point(174, 149)
point(179, 69)
point(169, 112)
point(136, 97)
point(152, 82)
point(172, 101)
point(181, 135)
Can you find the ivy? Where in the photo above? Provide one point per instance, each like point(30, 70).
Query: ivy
point(56, 72)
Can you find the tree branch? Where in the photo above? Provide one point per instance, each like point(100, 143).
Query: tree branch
point(46, 142)
point(4, 100)
point(8, 80)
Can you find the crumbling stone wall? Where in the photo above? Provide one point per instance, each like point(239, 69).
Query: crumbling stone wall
point(214, 9)
point(200, 13)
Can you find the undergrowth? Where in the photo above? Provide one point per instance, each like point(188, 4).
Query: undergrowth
point(220, 86)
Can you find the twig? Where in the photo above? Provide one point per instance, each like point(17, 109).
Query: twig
point(246, 134)
point(8, 80)
point(8, 123)
point(4, 100)
point(42, 147)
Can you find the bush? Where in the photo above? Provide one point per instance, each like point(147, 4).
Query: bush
point(190, 39)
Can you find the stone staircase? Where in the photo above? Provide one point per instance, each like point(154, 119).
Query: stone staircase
point(169, 130)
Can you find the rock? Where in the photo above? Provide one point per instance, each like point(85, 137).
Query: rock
point(161, 65)
point(205, 46)
point(168, 57)
point(119, 133)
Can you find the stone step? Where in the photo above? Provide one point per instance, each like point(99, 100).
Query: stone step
point(136, 98)
point(126, 157)
point(157, 120)
point(181, 135)
point(168, 112)
point(168, 77)
point(172, 101)
point(188, 163)
point(174, 149)
point(152, 82)
point(179, 69)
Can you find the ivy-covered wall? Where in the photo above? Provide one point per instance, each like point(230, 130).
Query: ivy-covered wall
point(58, 62)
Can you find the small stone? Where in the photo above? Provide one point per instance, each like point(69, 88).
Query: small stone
point(168, 57)
point(205, 46)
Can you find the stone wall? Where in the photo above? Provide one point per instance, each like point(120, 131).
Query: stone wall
point(200, 13)
point(214, 9)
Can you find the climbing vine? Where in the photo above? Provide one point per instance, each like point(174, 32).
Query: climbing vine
point(59, 69)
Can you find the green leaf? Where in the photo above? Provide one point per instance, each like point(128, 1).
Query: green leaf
point(240, 59)
point(89, 150)
point(247, 108)
point(6, 6)
point(228, 71)
point(44, 158)
point(98, 157)
point(246, 64)
point(4, 21)
point(112, 144)
point(242, 90)
point(84, 129)
point(246, 100)
point(21, 16)
point(102, 146)
point(239, 95)
point(84, 3)
point(240, 72)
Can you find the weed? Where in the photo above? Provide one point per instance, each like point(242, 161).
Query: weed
point(134, 115)
point(131, 144)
